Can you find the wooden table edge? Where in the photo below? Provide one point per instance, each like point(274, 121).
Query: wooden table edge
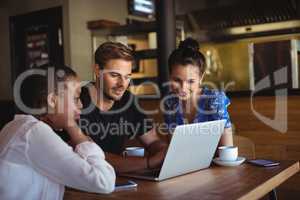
point(272, 183)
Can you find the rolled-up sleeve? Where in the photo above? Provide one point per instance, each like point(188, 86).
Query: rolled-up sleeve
point(84, 168)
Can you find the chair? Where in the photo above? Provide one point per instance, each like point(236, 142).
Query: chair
point(245, 145)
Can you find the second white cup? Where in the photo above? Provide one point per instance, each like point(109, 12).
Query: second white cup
point(228, 153)
point(134, 151)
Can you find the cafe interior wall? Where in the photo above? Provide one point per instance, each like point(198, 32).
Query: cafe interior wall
point(10, 8)
point(229, 61)
point(80, 12)
point(77, 38)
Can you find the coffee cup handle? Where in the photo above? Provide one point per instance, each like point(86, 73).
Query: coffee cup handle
point(124, 153)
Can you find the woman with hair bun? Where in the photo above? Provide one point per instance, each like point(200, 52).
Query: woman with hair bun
point(188, 101)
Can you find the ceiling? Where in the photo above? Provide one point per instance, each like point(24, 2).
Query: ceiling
point(221, 18)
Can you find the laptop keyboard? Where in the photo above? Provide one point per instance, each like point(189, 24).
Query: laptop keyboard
point(150, 173)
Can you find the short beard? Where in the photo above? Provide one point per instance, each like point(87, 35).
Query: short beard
point(108, 97)
point(111, 98)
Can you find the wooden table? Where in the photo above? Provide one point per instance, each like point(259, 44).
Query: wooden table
point(242, 182)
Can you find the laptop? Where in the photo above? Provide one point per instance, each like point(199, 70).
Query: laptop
point(192, 148)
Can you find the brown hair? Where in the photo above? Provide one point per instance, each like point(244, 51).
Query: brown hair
point(35, 88)
point(112, 50)
point(187, 53)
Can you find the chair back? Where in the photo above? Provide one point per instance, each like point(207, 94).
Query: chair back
point(245, 145)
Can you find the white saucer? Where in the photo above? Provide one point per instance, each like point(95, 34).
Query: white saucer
point(237, 162)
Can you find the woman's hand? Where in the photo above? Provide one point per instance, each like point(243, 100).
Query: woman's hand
point(76, 135)
point(70, 123)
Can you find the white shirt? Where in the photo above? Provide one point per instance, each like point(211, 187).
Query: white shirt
point(35, 163)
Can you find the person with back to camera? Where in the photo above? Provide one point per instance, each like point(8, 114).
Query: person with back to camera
point(189, 102)
point(35, 163)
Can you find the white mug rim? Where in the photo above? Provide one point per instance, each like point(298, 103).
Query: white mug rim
point(227, 147)
point(133, 148)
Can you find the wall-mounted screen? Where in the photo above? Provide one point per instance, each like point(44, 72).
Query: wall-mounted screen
point(144, 8)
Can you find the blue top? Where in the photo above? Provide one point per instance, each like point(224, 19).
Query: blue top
point(212, 105)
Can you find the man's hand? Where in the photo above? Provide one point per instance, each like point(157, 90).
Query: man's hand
point(156, 148)
point(156, 151)
point(156, 160)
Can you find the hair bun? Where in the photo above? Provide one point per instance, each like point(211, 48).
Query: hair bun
point(189, 43)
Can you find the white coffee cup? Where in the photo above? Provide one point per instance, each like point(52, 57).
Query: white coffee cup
point(228, 153)
point(134, 151)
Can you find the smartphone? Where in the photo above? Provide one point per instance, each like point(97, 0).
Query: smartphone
point(263, 162)
point(125, 185)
